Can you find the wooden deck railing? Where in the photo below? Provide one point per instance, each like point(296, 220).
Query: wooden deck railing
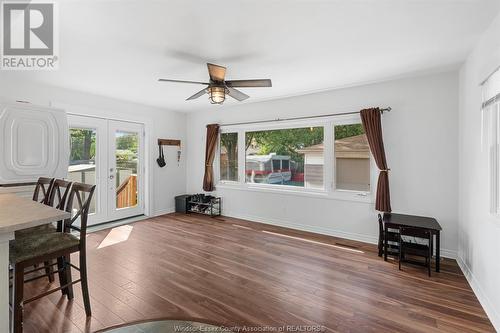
point(126, 193)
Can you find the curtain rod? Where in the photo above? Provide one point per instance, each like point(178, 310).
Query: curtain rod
point(388, 109)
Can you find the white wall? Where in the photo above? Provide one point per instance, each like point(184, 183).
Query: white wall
point(479, 231)
point(164, 183)
point(421, 142)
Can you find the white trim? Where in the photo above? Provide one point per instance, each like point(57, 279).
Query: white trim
point(117, 223)
point(163, 211)
point(291, 190)
point(486, 303)
point(370, 239)
point(303, 227)
point(450, 254)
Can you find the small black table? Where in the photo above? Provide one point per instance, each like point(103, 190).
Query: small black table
point(394, 221)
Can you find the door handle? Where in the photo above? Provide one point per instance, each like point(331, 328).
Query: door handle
point(111, 176)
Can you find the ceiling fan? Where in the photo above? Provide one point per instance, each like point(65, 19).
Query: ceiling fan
point(217, 88)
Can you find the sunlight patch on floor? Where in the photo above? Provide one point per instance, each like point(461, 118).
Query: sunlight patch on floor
point(241, 226)
point(314, 242)
point(116, 235)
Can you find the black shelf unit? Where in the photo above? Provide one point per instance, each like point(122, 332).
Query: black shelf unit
point(211, 208)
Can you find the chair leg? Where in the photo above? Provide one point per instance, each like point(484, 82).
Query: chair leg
point(49, 271)
point(380, 244)
point(401, 248)
point(62, 276)
point(429, 261)
point(67, 276)
point(18, 296)
point(400, 254)
point(85, 286)
point(385, 245)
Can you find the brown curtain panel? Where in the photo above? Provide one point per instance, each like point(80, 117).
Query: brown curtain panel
point(212, 134)
point(373, 129)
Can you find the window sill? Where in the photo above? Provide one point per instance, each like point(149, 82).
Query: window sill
point(343, 195)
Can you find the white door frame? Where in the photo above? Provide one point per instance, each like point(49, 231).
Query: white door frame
point(125, 126)
point(150, 145)
point(103, 207)
point(101, 196)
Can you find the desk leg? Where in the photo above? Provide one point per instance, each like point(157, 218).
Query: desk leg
point(4, 281)
point(438, 250)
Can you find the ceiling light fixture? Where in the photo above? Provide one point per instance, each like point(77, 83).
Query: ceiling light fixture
point(217, 95)
point(217, 87)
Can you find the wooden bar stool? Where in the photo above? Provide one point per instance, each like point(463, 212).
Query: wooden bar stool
point(55, 193)
point(35, 249)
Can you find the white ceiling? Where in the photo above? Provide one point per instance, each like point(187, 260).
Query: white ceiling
point(120, 48)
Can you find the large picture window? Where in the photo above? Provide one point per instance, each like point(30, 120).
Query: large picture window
point(327, 157)
point(291, 156)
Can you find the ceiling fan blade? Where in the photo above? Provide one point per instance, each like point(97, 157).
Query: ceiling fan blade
point(236, 94)
point(216, 72)
point(249, 83)
point(181, 81)
point(198, 94)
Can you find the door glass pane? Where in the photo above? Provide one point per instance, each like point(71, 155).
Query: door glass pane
point(82, 159)
point(127, 144)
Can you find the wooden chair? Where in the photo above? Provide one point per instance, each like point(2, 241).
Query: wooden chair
point(385, 236)
point(31, 250)
point(43, 185)
point(52, 197)
point(41, 194)
point(413, 248)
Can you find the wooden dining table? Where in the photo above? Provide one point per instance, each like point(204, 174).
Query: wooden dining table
point(17, 213)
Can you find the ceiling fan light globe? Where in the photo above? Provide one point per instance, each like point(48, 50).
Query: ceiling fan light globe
point(217, 95)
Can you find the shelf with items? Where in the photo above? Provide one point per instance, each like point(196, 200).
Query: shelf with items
point(206, 205)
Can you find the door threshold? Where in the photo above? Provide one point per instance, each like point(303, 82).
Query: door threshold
point(115, 223)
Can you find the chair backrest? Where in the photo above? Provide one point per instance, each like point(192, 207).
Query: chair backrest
point(78, 205)
point(43, 187)
point(59, 193)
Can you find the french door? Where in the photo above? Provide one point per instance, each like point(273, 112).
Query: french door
point(109, 154)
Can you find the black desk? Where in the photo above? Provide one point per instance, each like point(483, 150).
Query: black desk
point(394, 221)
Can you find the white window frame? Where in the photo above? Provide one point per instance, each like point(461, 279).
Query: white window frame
point(490, 119)
point(328, 191)
point(494, 156)
point(342, 193)
point(217, 161)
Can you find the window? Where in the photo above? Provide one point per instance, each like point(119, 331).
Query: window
point(229, 156)
point(291, 156)
point(352, 158)
point(326, 157)
point(491, 125)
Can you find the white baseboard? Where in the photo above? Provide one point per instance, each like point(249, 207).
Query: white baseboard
point(450, 254)
point(487, 305)
point(445, 253)
point(164, 211)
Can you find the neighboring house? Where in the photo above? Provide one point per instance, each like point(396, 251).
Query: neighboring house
point(352, 164)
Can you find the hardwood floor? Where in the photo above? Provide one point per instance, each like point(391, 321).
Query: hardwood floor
point(238, 273)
